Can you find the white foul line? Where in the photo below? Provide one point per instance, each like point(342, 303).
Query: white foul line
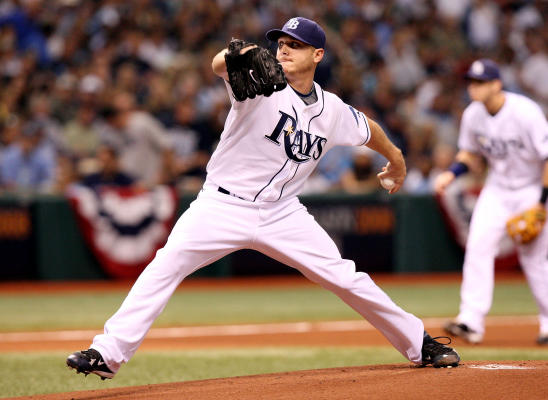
point(247, 329)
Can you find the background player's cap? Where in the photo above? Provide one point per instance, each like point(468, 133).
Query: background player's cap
point(300, 28)
point(483, 70)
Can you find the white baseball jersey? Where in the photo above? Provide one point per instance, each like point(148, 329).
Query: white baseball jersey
point(270, 145)
point(514, 141)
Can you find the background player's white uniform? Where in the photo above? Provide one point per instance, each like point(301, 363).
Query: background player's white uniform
point(268, 148)
point(515, 143)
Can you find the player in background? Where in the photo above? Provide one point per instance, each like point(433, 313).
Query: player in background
point(511, 133)
point(269, 146)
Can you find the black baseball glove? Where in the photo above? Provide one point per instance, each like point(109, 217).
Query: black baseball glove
point(257, 72)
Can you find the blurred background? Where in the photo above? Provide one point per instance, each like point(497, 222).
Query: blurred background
point(121, 93)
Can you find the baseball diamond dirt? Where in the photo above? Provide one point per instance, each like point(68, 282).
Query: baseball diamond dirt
point(471, 380)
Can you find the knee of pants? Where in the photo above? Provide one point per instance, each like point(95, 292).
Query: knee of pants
point(170, 262)
point(480, 251)
point(340, 278)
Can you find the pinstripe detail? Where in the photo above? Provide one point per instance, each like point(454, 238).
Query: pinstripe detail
point(271, 179)
point(289, 180)
point(354, 114)
point(321, 111)
point(368, 130)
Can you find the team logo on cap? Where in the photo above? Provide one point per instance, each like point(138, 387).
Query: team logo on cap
point(478, 68)
point(293, 23)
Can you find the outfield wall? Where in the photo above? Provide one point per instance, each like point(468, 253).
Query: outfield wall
point(40, 239)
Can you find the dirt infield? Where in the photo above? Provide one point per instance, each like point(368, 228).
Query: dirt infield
point(471, 380)
point(501, 332)
point(501, 380)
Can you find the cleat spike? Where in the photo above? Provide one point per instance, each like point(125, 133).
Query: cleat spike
point(89, 361)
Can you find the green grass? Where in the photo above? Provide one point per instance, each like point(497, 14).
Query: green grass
point(90, 310)
point(46, 373)
point(441, 300)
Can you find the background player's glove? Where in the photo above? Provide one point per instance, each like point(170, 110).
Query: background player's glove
point(525, 227)
point(256, 72)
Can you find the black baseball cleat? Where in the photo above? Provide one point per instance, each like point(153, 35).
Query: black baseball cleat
point(89, 362)
point(463, 331)
point(543, 339)
point(438, 354)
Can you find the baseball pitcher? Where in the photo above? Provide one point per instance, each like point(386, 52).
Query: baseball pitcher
point(280, 125)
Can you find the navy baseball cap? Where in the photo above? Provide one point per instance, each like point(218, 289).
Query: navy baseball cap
point(300, 28)
point(483, 70)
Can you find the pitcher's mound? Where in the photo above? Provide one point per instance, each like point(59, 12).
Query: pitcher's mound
point(471, 380)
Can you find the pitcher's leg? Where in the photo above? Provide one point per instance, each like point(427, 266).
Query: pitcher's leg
point(126, 329)
point(301, 243)
point(205, 233)
point(486, 232)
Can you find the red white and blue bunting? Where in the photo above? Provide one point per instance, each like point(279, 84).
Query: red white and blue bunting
point(124, 227)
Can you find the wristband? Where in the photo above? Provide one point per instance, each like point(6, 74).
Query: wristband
point(458, 168)
point(544, 195)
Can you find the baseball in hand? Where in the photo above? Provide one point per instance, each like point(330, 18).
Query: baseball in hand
point(387, 183)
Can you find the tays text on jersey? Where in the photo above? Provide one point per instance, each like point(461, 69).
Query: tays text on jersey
point(300, 146)
point(497, 147)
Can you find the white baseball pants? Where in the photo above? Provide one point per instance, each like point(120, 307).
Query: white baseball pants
point(487, 228)
point(217, 224)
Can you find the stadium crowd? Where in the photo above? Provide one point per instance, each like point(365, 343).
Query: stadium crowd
point(122, 92)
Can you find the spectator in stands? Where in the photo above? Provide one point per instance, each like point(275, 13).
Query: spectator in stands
point(407, 56)
point(362, 177)
point(417, 180)
point(10, 132)
point(108, 171)
point(405, 68)
point(192, 146)
point(27, 165)
point(62, 98)
point(29, 35)
point(331, 169)
point(142, 142)
point(424, 168)
point(66, 173)
point(90, 90)
point(535, 67)
point(159, 99)
point(482, 23)
point(40, 112)
point(81, 136)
